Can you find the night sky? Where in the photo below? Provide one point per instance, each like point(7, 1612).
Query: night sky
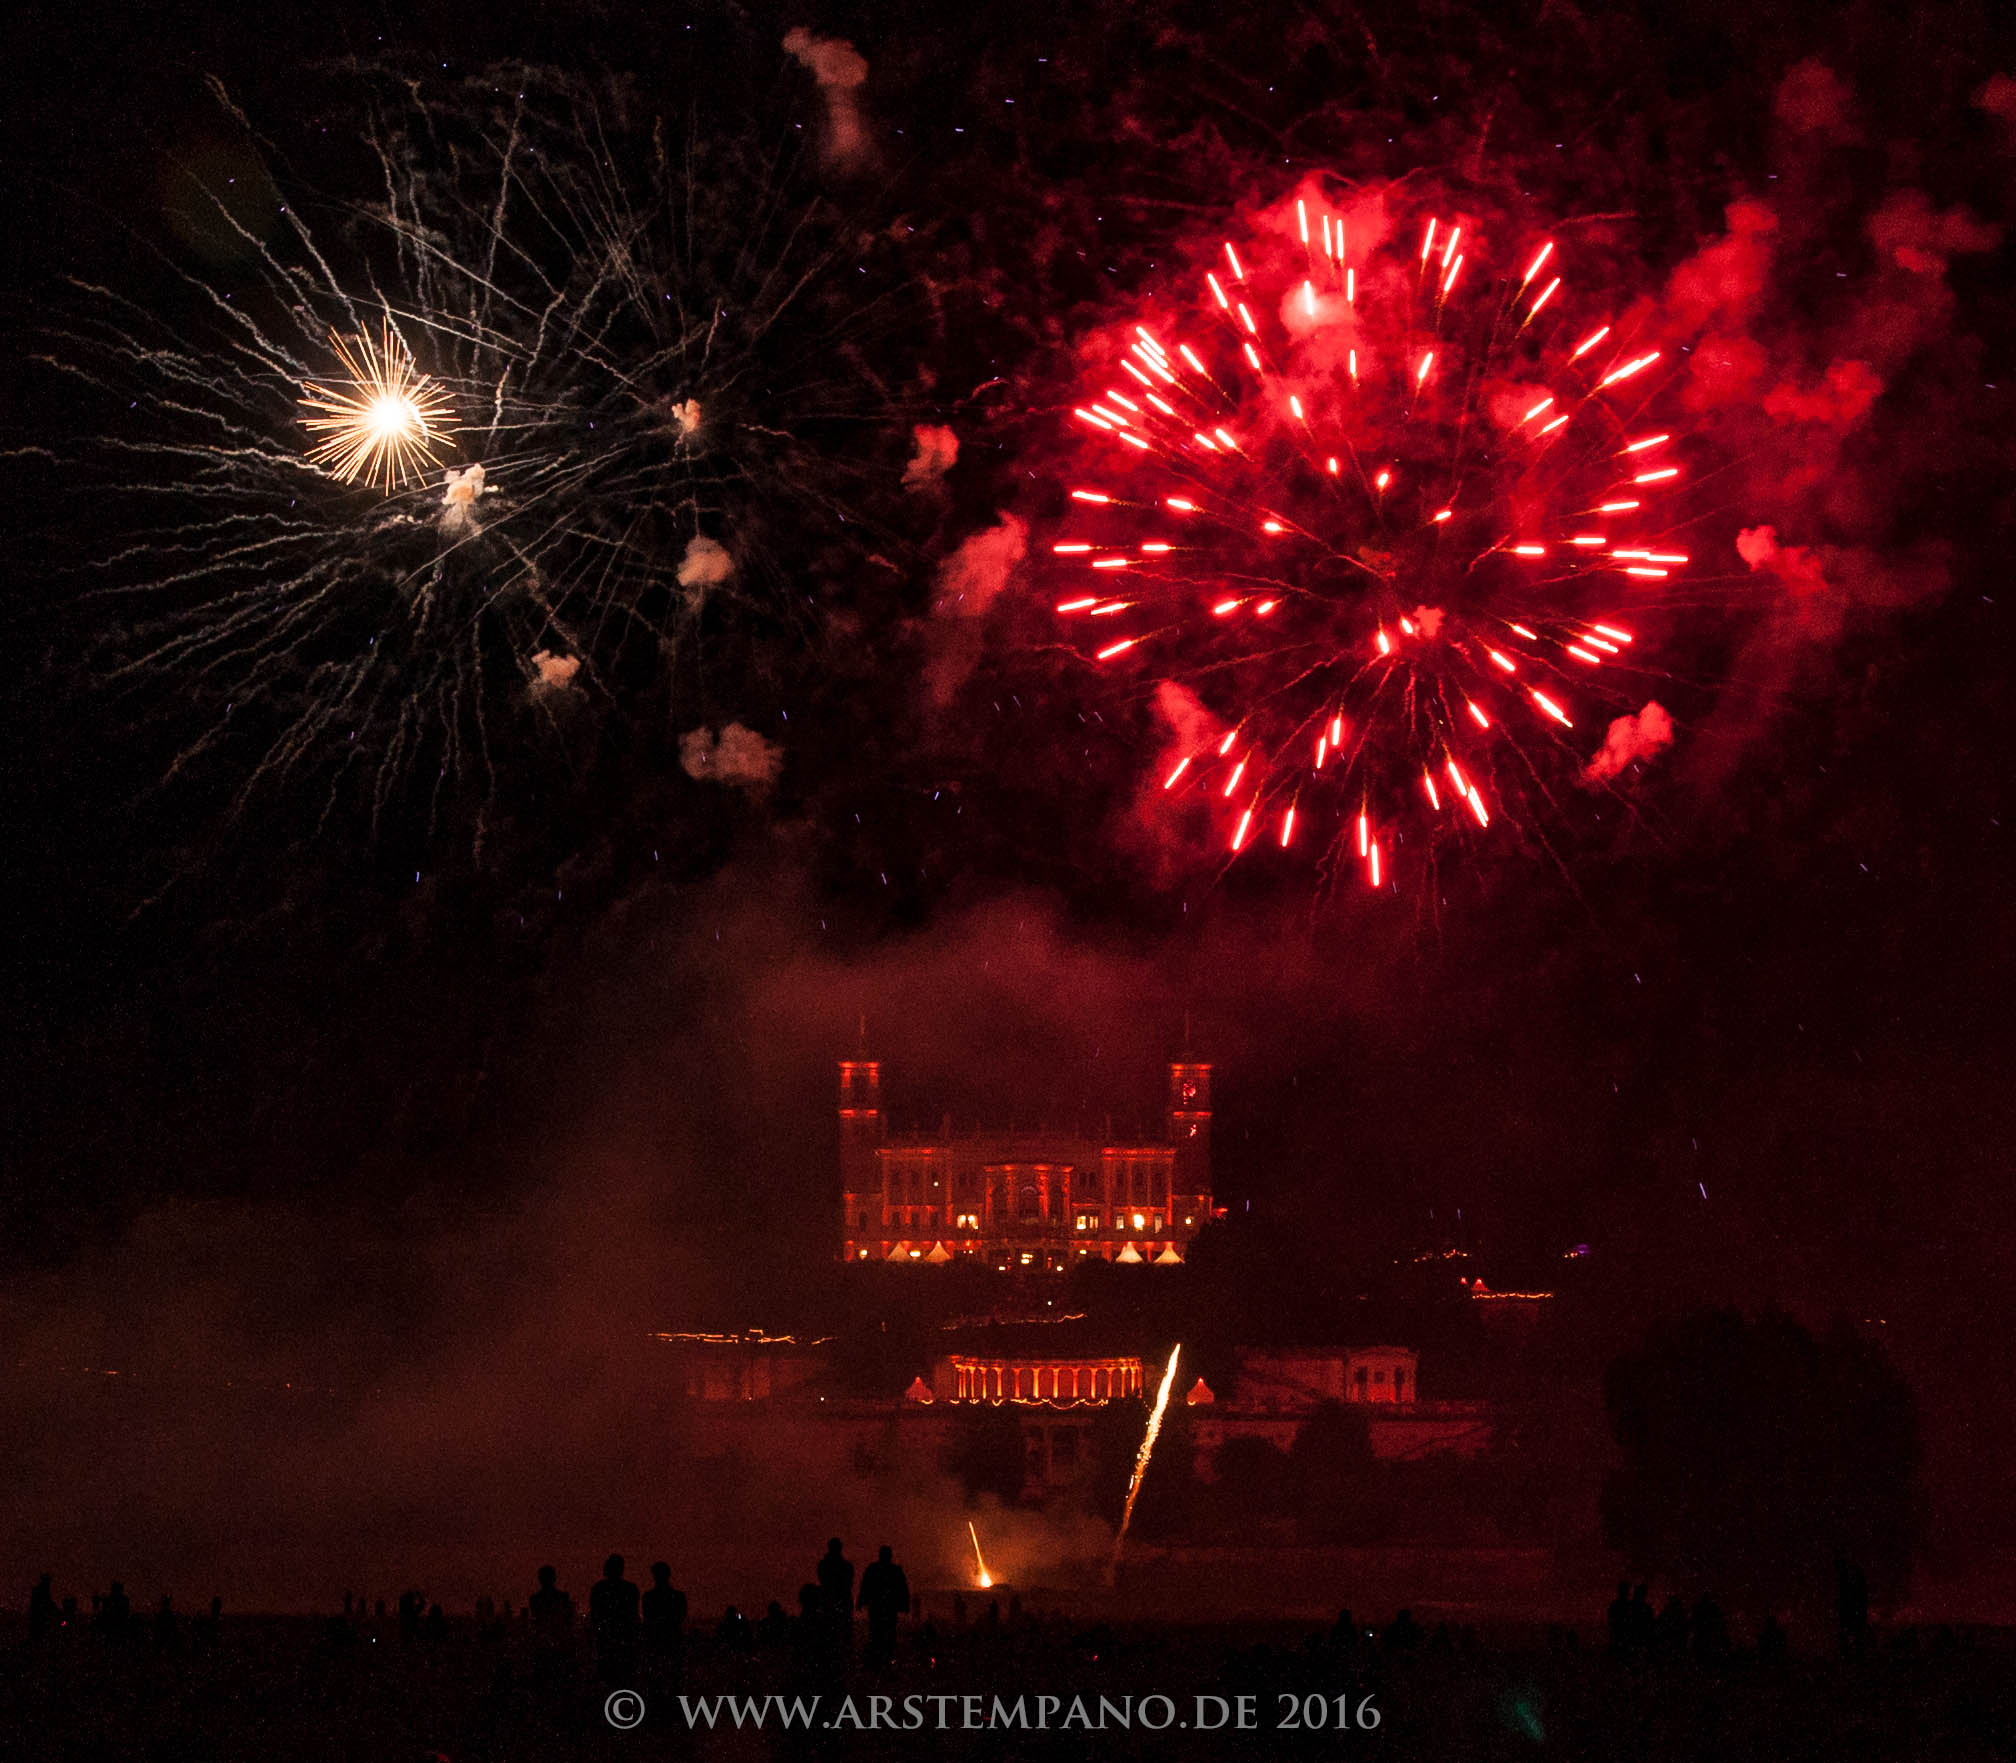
point(442, 1124)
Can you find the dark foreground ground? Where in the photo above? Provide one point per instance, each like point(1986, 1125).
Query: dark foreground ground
point(267, 1688)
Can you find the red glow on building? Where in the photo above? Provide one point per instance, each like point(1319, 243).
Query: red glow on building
point(1022, 1202)
point(1053, 1382)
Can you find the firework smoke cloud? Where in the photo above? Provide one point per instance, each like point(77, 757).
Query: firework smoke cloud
point(1631, 740)
point(737, 756)
point(841, 71)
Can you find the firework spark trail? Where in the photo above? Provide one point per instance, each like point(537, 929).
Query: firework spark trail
point(384, 422)
point(1141, 1457)
point(1383, 509)
point(984, 1580)
point(644, 387)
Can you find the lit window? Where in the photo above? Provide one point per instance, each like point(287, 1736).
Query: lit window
point(1140, 1222)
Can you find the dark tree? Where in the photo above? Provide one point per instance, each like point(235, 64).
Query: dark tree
point(1756, 1459)
point(1112, 1443)
point(986, 1452)
point(1171, 1492)
point(1253, 1479)
point(1330, 1468)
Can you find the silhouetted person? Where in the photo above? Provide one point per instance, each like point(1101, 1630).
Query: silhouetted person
point(551, 1612)
point(1403, 1633)
point(775, 1628)
point(1711, 1631)
point(42, 1613)
point(1618, 1616)
point(1772, 1643)
point(959, 1611)
point(1644, 1626)
point(836, 1585)
point(203, 1629)
point(1670, 1631)
point(733, 1631)
point(885, 1595)
point(664, 1614)
point(1345, 1641)
point(1851, 1608)
point(613, 1621)
point(167, 1631)
point(435, 1628)
point(811, 1629)
point(114, 1613)
point(411, 1608)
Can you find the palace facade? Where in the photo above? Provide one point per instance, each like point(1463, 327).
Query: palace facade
point(1036, 1202)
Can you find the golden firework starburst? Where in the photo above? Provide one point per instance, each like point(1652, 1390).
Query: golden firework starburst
point(384, 422)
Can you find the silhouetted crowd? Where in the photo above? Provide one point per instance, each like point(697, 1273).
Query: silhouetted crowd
point(532, 1679)
point(628, 1634)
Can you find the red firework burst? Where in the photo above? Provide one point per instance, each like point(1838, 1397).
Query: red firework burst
point(1386, 504)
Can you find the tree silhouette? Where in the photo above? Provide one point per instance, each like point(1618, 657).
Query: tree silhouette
point(1253, 1477)
point(1330, 1468)
point(1171, 1492)
point(1756, 1458)
point(1112, 1443)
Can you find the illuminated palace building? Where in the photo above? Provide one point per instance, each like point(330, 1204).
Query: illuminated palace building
point(1036, 1201)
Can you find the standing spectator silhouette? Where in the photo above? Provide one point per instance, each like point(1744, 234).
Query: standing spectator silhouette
point(612, 1622)
point(664, 1612)
point(836, 1586)
point(1403, 1633)
point(885, 1595)
point(1851, 1608)
point(1711, 1632)
point(114, 1612)
point(552, 1613)
point(809, 1630)
point(1670, 1628)
point(1644, 1625)
point(1619, 1617)
point(42, 1613)
point(1773, 1644)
